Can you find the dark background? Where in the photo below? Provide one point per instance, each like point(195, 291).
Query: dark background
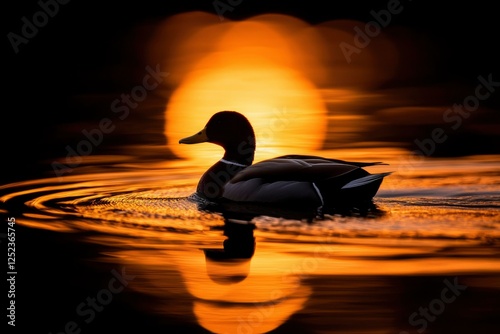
point(84, 49)
point(82, 52)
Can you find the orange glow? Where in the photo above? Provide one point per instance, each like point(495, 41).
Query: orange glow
point(262, 301)
point(285, 111)
point(251, 317)
point(294, 81)
point(251, 68)
point(156, 231)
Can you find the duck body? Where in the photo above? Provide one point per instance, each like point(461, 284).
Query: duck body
point(293, 181)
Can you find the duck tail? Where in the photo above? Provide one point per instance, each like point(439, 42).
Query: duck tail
point(365, 180)
point(363, 189)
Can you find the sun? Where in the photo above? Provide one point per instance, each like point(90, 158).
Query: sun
point(251, 69)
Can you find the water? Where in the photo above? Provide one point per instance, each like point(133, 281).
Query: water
point(436, 225)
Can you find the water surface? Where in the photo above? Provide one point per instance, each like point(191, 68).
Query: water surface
point(436, 222)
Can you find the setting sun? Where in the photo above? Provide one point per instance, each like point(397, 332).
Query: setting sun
point(252, 69)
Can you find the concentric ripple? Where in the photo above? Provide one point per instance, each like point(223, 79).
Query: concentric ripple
point(133, 200)
point(128, 198)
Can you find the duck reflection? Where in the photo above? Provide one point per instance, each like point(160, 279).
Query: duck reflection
point(231, 264)
point(245, 291)
point(239, 285)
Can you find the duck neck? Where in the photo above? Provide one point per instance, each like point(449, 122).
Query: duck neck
point(212, 183)
point(243, 160)
point(242, 154)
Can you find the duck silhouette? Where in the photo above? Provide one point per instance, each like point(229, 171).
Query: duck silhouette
point(296, 182)
point(231, 264)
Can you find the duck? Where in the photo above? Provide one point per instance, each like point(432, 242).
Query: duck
point(288, 181)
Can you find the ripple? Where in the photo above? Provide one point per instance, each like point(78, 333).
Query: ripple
point(93, 200)
point(136, 201)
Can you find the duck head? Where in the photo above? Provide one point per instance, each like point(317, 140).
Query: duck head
point(232, 131)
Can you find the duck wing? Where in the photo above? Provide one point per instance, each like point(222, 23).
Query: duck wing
point(294, 169)
point(303, 180)
point(259, 190)
point(316, 158)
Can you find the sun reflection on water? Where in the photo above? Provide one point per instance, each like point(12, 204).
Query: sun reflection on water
point(437, 217)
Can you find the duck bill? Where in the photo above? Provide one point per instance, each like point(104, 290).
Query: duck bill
point(200, 137)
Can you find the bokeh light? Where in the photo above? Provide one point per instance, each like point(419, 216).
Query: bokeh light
point(292, 79)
